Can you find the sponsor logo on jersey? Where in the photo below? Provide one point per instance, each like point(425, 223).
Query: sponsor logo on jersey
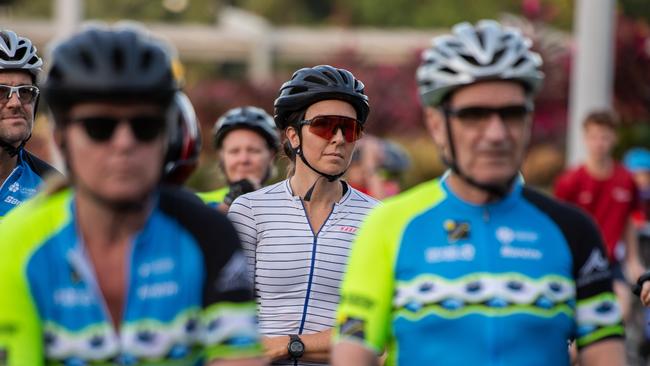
point(450, 253)
point(14, 187)
point(353, 327)
point(595, 268)
point(507, 236)
point(73, 297)
point(621, 194)
point(156, 267)
point(348, 229)
point(12, 200)
point(158, 290)
point(456, 230)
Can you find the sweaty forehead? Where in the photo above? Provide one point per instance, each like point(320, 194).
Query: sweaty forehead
point(15, 77)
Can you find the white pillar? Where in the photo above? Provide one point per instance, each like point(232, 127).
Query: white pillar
point(593, 65)
point(68, 14)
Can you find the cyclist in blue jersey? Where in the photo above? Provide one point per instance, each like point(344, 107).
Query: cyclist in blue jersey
point(475, 268)
point(246, 142)
point(113, 268)
point(21, 173)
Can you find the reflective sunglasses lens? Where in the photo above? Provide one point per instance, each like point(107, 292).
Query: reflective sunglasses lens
point(326, 127)
point(4, 92)
point(99, 129)
point(147, 128)
point(27, 94)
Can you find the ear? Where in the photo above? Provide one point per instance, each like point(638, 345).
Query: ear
point(435, 123)
point(292, 135)
point(59, 138)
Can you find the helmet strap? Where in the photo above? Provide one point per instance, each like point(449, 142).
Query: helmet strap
point(11, 149)
point(330, 177)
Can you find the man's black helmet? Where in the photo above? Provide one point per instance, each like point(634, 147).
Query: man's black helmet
point(310, 85)
point(121, 63)
point(248, 117)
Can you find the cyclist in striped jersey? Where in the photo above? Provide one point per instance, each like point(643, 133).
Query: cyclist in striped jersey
point(297, 233)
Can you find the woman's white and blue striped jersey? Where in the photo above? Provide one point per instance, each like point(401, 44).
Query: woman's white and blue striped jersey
point(297, 272)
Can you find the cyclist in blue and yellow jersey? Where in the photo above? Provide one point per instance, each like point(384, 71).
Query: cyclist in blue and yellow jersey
point(247, 142)
point(475, 268)
point(112, 268)
point(21, 173)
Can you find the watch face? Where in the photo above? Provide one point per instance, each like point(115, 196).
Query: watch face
point(296, 347)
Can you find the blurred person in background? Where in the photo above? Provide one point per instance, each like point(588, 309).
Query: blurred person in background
point(297, 233)
point(377, 167)
point(477, 268)
point(246, 142)
point(21, 173)
point(637, 162)
point(606, 190)
point(111, 268)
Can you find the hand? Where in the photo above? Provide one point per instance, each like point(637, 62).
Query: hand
point(236, 189)
point(634, 270)
point(276, 348)
point(645, 294)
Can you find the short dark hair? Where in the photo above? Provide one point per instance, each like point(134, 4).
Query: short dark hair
point(604, 117)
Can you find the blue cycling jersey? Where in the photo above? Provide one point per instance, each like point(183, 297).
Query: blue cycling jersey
point(439, 281)
point(21, 184)
point(188, 295)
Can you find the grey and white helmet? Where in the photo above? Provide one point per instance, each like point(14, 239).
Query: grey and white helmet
point(18, 53)
point(487, 51)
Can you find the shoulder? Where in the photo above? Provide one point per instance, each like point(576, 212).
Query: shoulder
point(40, 167)
point(359, 198)
point(569, 218)
point(206, 224)
point(30, 225)
point(399, 209)
point(571, 174)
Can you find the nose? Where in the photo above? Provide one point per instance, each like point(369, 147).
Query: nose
point(13, 101)
point(495, 128)
point(338, 137)
point(123, 136)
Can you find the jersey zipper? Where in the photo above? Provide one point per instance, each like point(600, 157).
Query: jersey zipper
point(312, 263)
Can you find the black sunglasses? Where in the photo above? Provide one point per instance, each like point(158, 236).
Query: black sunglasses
point(26, 93)
point(476, 114)
point(101, 128)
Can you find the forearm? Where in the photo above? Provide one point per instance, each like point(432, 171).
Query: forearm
point(317, 346)
point(241, 362)
point(605, 353)
point(347, 353)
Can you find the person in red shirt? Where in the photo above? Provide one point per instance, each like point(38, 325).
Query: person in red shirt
point(606, 190)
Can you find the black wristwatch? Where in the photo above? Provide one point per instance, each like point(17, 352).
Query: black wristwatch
point(296, 347)
point(636, 289)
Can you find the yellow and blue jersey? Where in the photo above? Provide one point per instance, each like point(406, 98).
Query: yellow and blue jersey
point(433, 279)
point(188, 294)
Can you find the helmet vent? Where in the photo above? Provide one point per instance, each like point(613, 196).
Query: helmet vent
point(147, 57)
point(343, 76)
point(297, 90)
point(315, 80)
point(329, 76)
point(86, 59)
point(118, 59)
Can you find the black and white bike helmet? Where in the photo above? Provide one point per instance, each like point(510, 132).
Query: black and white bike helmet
point(18, 53)
point(487, 51)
